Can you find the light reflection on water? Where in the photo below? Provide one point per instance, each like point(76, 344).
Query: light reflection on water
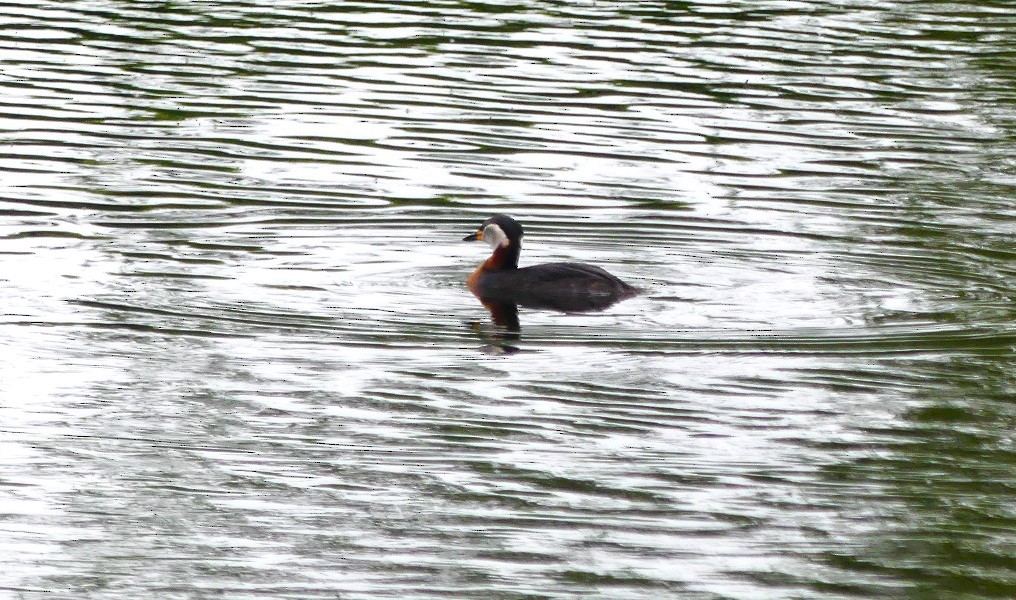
point(240, 358)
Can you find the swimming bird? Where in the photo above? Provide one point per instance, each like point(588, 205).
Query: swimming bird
point(564, 286)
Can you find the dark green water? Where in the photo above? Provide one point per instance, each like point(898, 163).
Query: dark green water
point(240, 360)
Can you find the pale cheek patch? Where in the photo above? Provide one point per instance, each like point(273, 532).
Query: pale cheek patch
point(495, 236)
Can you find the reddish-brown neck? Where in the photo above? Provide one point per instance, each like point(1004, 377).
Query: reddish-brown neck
point(504, 258)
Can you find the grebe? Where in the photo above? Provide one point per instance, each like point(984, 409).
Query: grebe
point(569, 287)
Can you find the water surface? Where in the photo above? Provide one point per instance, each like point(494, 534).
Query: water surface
point(240, 359)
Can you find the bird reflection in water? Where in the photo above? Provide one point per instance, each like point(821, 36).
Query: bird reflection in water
point(502, 286)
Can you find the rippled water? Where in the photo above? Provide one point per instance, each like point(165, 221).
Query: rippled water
point(240, 359)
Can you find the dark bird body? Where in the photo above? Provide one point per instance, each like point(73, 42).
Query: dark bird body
point(565, 286)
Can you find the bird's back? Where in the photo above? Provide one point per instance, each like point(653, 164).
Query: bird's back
point(561, 286)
